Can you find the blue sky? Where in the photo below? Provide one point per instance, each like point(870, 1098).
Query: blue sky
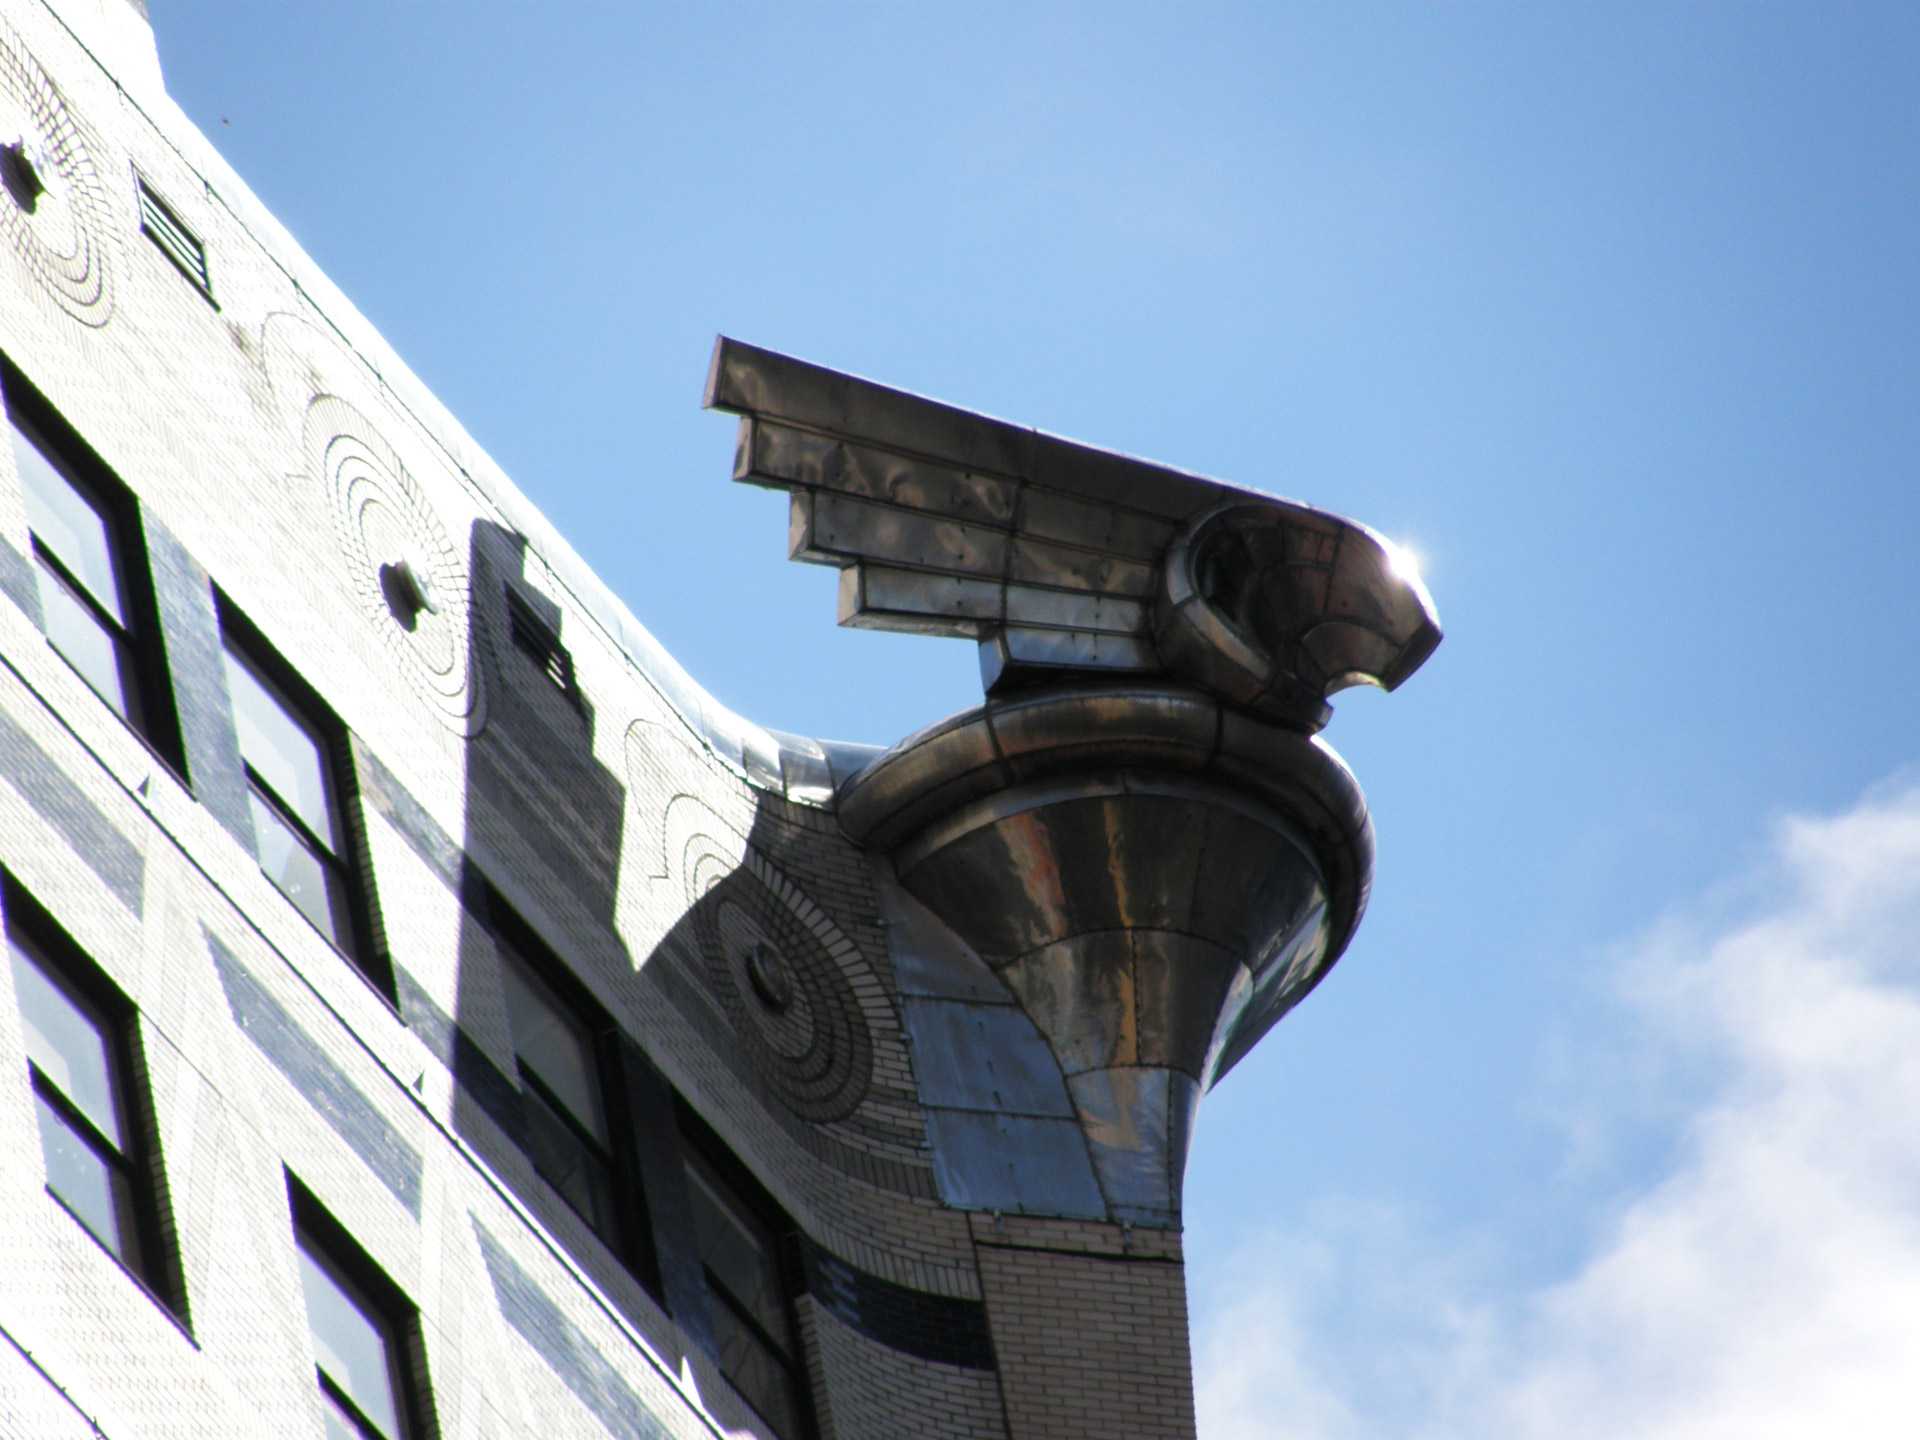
point(1608, 312)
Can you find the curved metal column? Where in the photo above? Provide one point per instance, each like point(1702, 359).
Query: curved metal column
point(1153, 889)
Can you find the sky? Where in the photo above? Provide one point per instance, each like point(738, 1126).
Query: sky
point(1602, 1126)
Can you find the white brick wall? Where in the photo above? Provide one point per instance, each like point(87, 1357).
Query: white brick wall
point(206, 414)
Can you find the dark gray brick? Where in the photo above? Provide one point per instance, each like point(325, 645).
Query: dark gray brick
point(567, 1352)
point(64, 805)
point(308, 1067)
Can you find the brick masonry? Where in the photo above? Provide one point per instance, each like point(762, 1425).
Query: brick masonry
point(275, 446)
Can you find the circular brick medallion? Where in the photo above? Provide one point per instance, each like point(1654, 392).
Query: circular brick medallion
point(53, 207)
point(411, 581)
point(778, 967)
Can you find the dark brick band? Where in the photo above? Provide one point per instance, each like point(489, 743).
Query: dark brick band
point(308, 1067)
point(568, 1353)
point(65, 806)
point(941, 1328)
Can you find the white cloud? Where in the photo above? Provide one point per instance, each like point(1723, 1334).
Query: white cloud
point(1766, 1284)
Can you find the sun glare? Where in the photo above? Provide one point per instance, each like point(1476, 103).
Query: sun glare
point(1404, 562)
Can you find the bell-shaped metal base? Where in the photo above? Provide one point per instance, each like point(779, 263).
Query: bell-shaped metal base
point(1153, 881)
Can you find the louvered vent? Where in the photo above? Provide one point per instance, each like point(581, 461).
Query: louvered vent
point(541, 642)
point(176, 241)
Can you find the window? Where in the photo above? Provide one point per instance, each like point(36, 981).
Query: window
point(740, 1246)
point(575, 1132)
point(288, 742)
point(179, 244)
point(362, 1329)
point(96, 604)
point(567, 1134)
point(80, 1062)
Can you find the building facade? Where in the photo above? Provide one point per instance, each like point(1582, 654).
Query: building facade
point(427, 1013)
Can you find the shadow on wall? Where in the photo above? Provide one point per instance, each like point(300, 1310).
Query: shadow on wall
point(551, 1095)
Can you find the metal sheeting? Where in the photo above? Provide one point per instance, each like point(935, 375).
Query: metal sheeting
point(1086, 938)
point(1121, 958)
point(1058, 557)
point(1126, 1116)
point(1021, 1164)
point(928, 958)
point(969, 1056)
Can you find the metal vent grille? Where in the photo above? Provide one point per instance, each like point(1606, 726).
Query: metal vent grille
point(541, 642)
point(176, 241)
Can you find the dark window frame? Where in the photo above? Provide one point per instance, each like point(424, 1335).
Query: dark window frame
point(345, 862)
point(701, 1144)
point(332, 1246)
point(156, 1266)
point(631, 1240)
point(138, 641)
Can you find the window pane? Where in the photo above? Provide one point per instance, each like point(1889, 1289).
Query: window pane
point(755, 1371)
point(68, 524)
point(301, 875)
point(349, 1345)
point(281, 749)
point(554, 1046)
point(67, 1043)
point(90, 1187)
point(566, 1163)
point(739, 1252)
point(340, 1425)
point(92, 649)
